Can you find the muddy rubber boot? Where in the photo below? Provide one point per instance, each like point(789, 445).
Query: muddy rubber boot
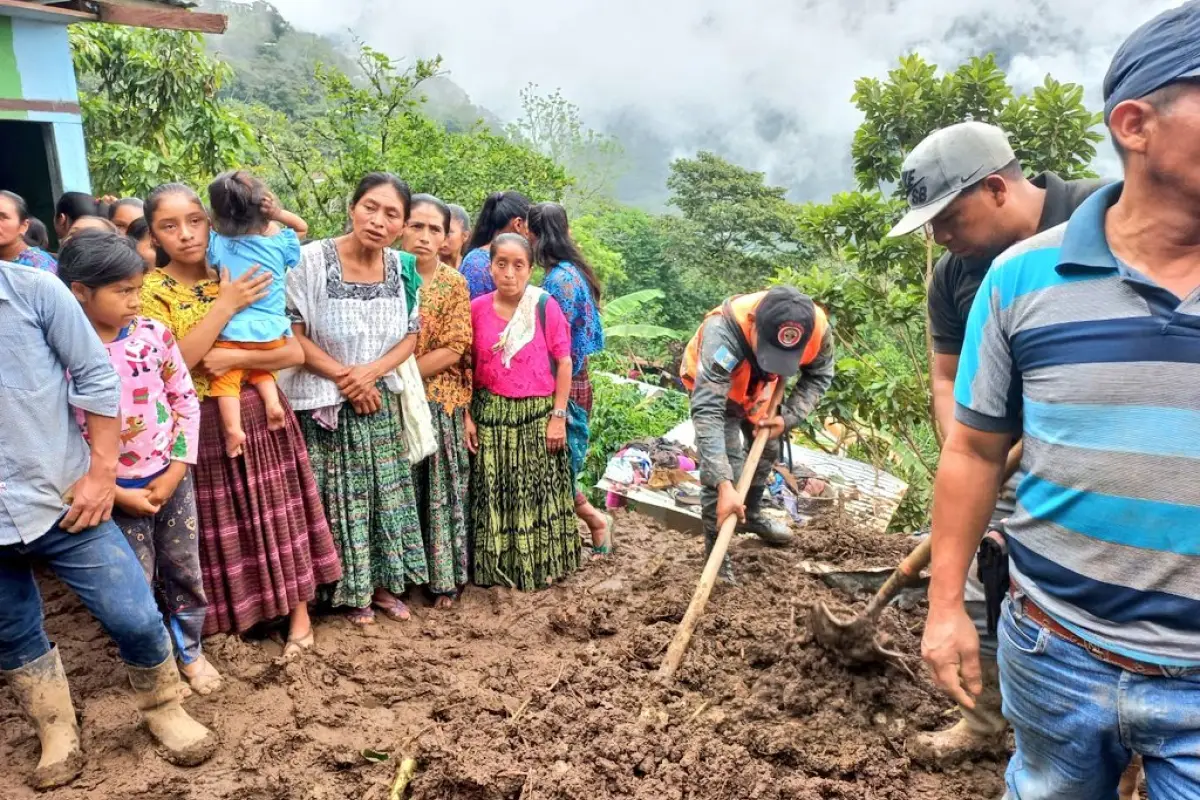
point(726, 572)
point(774, 532)
point(42, 692)
point(1128, 789)
point(157, 692)
point(981, 731)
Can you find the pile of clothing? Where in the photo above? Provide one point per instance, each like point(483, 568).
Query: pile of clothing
point(657, 464)
point(787, 488)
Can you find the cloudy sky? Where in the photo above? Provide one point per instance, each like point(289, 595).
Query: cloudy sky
point(764, 82)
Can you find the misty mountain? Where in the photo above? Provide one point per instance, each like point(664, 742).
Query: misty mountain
point(764, 83)
point(273, 64)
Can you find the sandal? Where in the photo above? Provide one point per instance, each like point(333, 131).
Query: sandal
point(361, 617)
point(444, 602)
point(296, 647)
point(393, 609)
point(206, 680)
point(605, 548)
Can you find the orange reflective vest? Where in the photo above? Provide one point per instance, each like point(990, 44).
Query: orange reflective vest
point(748, 390)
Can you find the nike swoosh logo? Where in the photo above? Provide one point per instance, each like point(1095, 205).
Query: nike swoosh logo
point(971, 177)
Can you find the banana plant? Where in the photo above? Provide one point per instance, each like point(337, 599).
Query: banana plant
point(620, 312)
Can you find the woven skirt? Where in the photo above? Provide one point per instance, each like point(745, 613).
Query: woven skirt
point(443, 499)
point(264, 541)
point(522, 500)
point(366, 484)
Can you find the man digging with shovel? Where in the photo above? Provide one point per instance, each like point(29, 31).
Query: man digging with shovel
point(731, 368)
point(966, 184)
point(1084, 340)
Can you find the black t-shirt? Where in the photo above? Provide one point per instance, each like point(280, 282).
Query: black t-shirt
point(956, 280)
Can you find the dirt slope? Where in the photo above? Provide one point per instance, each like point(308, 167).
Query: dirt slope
point(537, 696)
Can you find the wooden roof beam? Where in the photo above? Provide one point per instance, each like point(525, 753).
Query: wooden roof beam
point(154, 15)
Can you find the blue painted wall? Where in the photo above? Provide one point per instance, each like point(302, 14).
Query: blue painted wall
point(41, 55)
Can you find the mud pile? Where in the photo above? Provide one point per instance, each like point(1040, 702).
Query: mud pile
point(513, 697)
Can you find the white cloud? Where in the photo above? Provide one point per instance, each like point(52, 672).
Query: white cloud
point(765, 82)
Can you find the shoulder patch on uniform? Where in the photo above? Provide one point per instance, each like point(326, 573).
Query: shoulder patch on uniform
point(725, 359)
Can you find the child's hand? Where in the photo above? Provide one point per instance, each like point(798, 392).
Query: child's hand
point(270, 206)
point(137, 502)
point(163, 487)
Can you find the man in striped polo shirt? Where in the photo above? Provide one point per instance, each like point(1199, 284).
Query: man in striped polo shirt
point(1086, 339)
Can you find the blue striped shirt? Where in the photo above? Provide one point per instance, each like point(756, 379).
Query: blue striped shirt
point(1100, 368)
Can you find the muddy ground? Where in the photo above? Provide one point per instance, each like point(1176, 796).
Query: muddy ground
point(514, 697)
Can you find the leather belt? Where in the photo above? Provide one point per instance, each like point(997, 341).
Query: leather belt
point(1037, 615)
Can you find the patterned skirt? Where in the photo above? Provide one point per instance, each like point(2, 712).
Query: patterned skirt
point(581, 388)
point(366, 484)
point(522, 502)
point(443, 499)
point(579, 412)
point(264, 541)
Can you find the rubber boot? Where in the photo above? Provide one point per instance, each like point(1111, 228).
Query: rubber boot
point(710, 539)
point(42, 692)
point(774, 532)
point(981, 731)
point(157, 691)
point(1128, 789)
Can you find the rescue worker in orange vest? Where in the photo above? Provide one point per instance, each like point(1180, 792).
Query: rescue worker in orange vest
point(731, 368)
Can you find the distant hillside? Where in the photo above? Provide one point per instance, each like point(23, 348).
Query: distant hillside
point(273, 65)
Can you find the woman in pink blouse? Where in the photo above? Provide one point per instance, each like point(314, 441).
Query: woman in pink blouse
point(523, 510)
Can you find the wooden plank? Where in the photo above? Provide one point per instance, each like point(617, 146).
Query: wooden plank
point(49, 106)
point(36, 11)
point(158, 16)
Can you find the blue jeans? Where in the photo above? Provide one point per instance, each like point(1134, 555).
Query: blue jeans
point(100, 567)
point(1078, 720)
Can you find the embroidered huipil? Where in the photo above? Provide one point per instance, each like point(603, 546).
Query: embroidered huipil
point(160, 412)
point(37, 258)
point(476, 267)
point(567, 285)
point(355, 323)
point(446, 323)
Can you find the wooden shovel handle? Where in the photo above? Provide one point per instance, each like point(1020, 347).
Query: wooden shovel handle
point(904, 575)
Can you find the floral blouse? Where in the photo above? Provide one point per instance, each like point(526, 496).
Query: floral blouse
point(37, 258)
point(476, 267)
point(446, 323)
point(567, 285)
point(160, 414)
point(180, 307)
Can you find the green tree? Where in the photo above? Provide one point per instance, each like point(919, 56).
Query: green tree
point(552, 126)
point(873, 286)
point(377, 122)
point(151, 111)
point(736, 229)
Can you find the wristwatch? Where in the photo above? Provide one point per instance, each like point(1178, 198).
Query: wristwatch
point(559, 413)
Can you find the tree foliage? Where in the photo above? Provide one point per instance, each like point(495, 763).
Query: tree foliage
point(552, 126)
point(376, 123)
point(151, 110)
point(1050, 128)
point(875, 287)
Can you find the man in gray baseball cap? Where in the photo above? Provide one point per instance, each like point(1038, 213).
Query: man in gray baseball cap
point(965, 182)
point(1100, 639)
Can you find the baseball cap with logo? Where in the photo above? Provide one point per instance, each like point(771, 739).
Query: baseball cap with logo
point(783, 325)
point(945, 164)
